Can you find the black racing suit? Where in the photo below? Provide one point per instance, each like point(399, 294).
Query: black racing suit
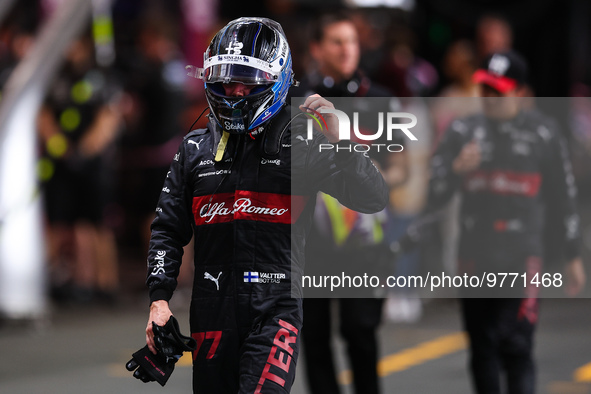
point(520, 200)
point(249, 213)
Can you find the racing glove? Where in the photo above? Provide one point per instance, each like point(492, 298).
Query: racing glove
point(170, 343)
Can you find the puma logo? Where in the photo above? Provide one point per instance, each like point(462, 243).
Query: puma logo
point(299, 137)
point(195, 143)
point(211, 278)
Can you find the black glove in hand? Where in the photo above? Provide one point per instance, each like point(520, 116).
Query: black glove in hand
point(171, 344)
point(150, 367)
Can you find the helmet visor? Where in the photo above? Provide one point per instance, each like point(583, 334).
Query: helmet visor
point(227, 73)
point(224, 90)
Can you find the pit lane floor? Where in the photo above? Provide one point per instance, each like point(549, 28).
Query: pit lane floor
point(83, 350)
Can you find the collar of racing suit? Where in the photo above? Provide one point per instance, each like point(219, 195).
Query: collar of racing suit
point(271, 144)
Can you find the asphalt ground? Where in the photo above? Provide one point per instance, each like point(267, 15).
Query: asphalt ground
point(84, 349)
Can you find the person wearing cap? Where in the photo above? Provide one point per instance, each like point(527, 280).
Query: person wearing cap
point(512, 168)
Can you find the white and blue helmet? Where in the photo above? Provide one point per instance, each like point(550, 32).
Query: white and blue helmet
point(252, 51)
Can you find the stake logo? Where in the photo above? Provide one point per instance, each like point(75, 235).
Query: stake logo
point(159, 260)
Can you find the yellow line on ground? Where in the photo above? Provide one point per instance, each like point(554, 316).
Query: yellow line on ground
point(583, 374)
point(414, 356)
point(186, 360)
point(568, 388)
point(393, 363)
point(421, 353)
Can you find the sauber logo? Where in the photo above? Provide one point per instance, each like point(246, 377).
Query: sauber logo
point(247, 205)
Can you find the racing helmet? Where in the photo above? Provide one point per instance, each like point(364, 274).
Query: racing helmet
point(255, 52)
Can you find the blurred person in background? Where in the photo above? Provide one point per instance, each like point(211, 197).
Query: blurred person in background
point(17, 34)
point(78, 127)
point(153, 116)
point(459, 64)
point(371, 25)
point(339, 234)
point(493, 34)
point(334, 48)
point(457, 99)
point(15, 45)
point(231, 186)
point(513, 170)
point(402, 70)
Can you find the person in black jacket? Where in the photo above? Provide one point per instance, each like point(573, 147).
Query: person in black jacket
point(512, 168)
point(245, 187)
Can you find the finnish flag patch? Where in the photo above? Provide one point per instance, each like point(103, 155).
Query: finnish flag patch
point(251, 276)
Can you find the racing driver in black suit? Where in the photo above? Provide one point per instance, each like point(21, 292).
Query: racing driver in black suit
point(245, 187)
